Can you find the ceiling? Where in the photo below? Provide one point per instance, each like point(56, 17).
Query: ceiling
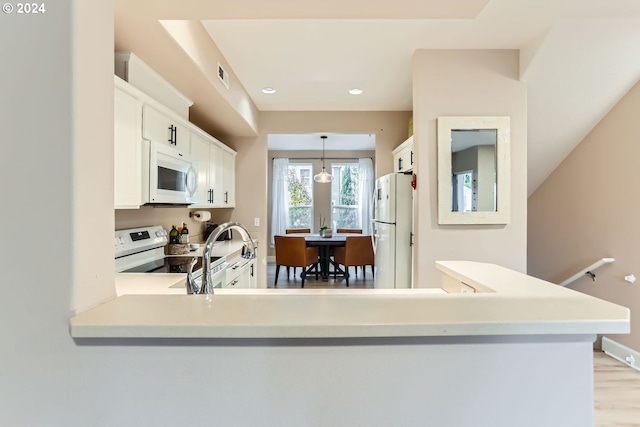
point(313, 142)
point(578, 57)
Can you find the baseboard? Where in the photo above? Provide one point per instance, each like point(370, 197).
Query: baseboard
point(622, 353)
point(271, 259)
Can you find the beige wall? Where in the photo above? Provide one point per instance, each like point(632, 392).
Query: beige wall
point(588, 208)
point(168, 216)
point(391, 128)
point(192, 69)
point(467, 83)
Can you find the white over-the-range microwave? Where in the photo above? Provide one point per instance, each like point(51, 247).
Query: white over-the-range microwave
point(169, 176)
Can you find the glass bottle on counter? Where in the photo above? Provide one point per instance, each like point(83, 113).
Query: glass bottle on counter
point(184, 234)
point(173, 235)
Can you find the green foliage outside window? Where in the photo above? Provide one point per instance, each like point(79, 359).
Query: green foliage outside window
point(299, 202)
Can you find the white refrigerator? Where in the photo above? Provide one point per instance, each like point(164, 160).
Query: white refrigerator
point(392, 228)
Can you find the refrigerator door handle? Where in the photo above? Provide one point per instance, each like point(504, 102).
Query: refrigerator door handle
point(374, 241)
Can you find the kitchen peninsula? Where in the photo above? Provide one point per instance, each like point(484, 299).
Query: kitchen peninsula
point(489, 338)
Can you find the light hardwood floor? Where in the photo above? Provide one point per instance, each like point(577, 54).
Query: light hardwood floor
point(616, 392)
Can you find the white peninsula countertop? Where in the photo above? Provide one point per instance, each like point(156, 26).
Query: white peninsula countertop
point(475, 299)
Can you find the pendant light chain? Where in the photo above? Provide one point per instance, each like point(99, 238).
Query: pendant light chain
point(323, 176)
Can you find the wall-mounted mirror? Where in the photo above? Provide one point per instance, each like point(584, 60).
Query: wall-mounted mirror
point(473, 170)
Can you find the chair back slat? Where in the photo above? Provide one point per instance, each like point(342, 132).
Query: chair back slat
point(297, 230)
point(349, 230)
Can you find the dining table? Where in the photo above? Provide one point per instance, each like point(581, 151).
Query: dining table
point(325, 247)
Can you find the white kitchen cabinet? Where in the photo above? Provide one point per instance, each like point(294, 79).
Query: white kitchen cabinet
point(253, 276)
point(163, 125)
point(403, 156)
point(218, 175)
point(244, 279)
point(201, 151)
point(216, 171)
point(127, 108)
point(241, 272)
point(234, 271)
point(228, 177)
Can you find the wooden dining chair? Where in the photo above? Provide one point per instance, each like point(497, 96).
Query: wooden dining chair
point(292, 251)
point(349, 230)
point(357, 251)
point(295, 231)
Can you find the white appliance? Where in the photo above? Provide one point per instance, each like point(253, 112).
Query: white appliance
point(169, 176)
point(141, 250)
point(392, 231)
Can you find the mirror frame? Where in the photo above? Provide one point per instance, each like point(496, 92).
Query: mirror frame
point(503, 168)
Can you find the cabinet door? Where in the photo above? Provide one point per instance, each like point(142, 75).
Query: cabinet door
point(403, 156)
point(165, 127)
point(244, 279)
point(229, 178)
point(201, 153)
point(216, 178)
point(127, 150)
point(253, 274)
point(403, 160)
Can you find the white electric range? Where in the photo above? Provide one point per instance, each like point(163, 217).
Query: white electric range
point(141, 250)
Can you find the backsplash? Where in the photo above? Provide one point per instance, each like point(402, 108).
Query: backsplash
point(168, 216)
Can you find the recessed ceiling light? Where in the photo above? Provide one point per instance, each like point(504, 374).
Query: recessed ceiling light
point(268, 90)
point(355, 91)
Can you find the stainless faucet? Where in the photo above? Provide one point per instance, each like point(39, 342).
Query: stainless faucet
point(207, 285)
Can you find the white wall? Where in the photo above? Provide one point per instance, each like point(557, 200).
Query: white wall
point(59, 159)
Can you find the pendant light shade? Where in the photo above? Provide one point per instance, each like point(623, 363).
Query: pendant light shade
point(324, 176)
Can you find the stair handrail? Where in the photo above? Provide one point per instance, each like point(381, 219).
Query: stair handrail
point(588, 270)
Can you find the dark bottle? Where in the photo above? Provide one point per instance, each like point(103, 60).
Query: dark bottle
point(184, 234)
point(173, 235)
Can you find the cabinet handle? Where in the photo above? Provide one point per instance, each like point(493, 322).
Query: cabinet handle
point(411, 157)
point(226, 197)
point(171, 134)
point(175, 135)
point(210, 195)
point(400, 164)
point(251, 270)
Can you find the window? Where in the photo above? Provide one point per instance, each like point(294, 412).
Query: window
point(300, 195)
point(344, 196)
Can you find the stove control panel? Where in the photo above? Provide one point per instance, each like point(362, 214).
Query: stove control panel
point(139, 239)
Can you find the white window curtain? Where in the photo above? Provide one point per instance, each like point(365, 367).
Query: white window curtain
point(280, 198)
point(366, 182)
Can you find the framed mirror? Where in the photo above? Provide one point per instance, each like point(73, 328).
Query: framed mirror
point(473, 170)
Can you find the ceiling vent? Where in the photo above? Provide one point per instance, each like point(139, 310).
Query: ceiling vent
point(223, 76)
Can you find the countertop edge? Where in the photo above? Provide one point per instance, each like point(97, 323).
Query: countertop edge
point(520, 305)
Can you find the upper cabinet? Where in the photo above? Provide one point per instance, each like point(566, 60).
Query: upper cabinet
point(228, 177)
point(139, 117)
point(127, 146)
point(216, 171)
point(403, 156)
point(162, 125)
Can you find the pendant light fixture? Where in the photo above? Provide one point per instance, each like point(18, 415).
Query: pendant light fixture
point(324, 176)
